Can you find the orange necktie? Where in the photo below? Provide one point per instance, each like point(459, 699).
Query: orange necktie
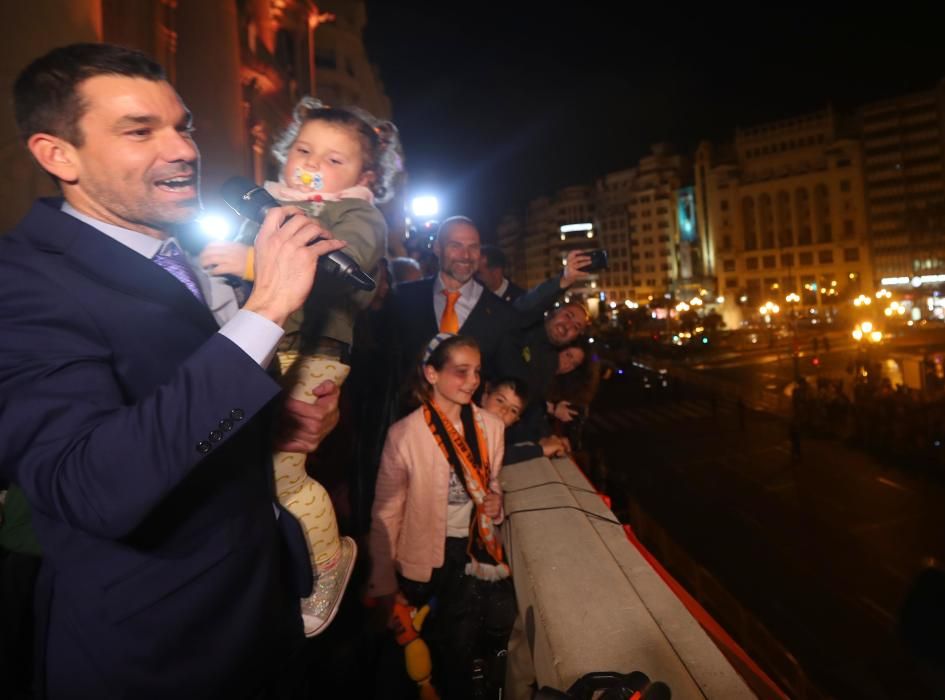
point(450, 321)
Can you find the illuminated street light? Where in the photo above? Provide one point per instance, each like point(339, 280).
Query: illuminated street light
point(792, 298)
point(857, 334)
point(695, 301)
point(720, 300)
point(883, 294)
point(862, 300)
point(867, 326)
point(682, 306)
point(876, 336)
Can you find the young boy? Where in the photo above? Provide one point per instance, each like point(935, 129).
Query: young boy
point(506, 399)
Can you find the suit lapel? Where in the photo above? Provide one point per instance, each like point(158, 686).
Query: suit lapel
point(481, 316)
point(425, 299)
point(110, 263)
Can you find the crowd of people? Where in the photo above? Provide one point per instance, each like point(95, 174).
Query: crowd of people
point(901, 426)
point(165, 407)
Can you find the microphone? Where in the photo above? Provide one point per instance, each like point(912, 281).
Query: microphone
point(252, 202)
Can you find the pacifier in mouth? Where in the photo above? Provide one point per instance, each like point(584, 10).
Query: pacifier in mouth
point(308, 179)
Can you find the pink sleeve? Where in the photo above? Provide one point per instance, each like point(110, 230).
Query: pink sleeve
point(387, 516)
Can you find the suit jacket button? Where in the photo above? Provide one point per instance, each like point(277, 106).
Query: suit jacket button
point(203, 447)
point(215, 436)
point(237, 414)
point(226, 425)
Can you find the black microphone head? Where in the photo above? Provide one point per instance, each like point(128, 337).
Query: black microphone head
point(246, 199)
point(362, 281)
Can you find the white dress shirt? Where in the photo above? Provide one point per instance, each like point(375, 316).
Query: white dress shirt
point(469, 295)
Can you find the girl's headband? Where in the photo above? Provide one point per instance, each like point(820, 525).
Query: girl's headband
point(434, 344)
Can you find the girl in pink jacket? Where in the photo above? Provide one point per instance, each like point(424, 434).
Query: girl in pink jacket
point(433, 528)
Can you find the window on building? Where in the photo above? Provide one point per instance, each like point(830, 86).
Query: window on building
point(726, 242)
point(728, 265)
point(768, 262)
point(751, 263)
point(824, 256)
point(851, 254)
point(806, 258)
point(723, 205)
point(844, 185)
point(731, 282)
point(787, 259)
point(849, 230)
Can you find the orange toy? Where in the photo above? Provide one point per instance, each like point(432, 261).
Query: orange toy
point(407, 624)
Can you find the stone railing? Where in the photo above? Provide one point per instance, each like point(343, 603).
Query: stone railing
point(589, 601)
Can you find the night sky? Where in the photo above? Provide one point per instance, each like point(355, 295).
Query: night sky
point(497, 104)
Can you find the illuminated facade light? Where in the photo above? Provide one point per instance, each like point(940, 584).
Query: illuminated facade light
point(571, 228)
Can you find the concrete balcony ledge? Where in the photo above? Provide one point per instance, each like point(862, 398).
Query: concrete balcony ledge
point(589, 601)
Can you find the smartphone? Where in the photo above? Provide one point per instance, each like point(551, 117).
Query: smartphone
point(598, 261)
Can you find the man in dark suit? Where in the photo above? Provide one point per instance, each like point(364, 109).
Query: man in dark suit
point(452, 301)
point(135, 424)
point(492, 264)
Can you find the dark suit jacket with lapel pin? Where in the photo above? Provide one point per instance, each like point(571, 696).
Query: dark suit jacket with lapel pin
point(140, 436)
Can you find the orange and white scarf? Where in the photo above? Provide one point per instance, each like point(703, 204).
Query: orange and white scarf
point(469, 458)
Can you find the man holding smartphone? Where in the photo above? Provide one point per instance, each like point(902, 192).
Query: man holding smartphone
point(532, 354)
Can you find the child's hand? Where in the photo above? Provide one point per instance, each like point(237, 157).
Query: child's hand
point(220, 258)
point(563, 411)
point(492, 506)
point(554, 446)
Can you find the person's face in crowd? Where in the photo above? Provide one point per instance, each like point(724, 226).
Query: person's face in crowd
point(456, 383)
point(491, 277)
point(458, 251)
point(570, 359)
point(137, 166)
point(566, 324)
point(332, 151)
point(503, 403)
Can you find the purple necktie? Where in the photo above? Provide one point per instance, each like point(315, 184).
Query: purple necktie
point(172, 259)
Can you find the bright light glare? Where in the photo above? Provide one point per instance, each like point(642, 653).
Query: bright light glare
point(215, 226)
point(425, 206)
